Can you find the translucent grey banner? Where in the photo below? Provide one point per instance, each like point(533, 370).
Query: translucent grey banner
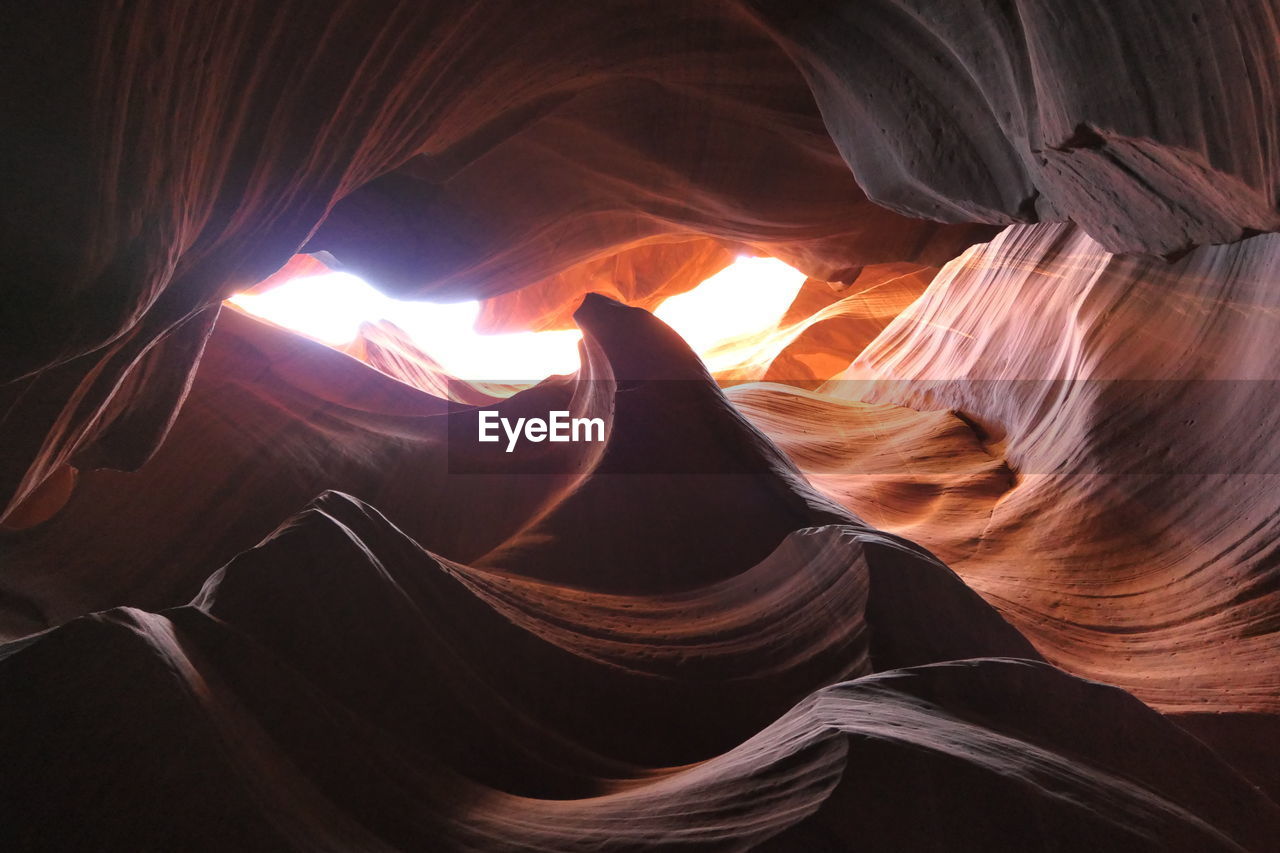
point(883, 427)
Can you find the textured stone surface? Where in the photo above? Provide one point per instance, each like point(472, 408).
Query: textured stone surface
point(975, 549)
point(1151, 124)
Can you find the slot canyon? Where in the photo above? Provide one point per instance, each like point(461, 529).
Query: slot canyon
point(934, 347)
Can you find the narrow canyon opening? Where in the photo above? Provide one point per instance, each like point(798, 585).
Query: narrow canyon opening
point(727, 318)
point(636, 426)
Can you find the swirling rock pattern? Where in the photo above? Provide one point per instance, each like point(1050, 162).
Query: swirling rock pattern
point(1128, 390)
point(584, 685)
point(1110, 415)
point(1153, 126)
point(217, 143)
point(976, 551)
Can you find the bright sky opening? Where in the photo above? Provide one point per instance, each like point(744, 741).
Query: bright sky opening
point(331, 307)
point(745, 298)
point(748, 296)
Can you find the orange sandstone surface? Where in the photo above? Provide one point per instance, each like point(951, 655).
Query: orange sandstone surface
point(974, 546)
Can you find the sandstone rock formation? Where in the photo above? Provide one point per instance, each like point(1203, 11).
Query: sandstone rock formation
point(1154, 128)
point(974, 549)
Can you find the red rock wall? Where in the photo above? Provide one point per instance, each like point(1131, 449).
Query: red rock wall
point(1151, 124)
point(986, 562)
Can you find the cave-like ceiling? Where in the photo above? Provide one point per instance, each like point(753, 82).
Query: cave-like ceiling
point(972, 545)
